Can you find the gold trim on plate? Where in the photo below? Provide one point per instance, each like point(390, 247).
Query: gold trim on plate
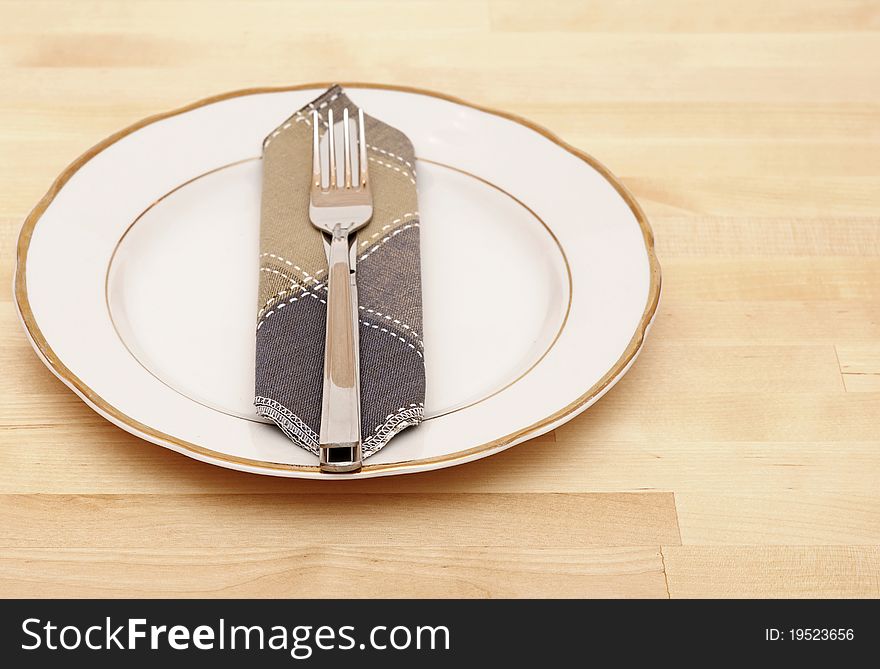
point(61, 370)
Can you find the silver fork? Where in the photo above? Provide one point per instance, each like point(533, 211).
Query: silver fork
point(339, 212)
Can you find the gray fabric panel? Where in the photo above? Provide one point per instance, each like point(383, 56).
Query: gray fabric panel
point(290, 350)
point(392, 364)
point(290, 364)
point(390, 281)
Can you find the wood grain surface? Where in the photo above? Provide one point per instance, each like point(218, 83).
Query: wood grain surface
point(741, 455)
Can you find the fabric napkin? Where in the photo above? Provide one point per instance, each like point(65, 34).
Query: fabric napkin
point(292, 296)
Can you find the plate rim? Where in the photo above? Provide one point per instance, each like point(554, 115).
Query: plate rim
point(48, 356)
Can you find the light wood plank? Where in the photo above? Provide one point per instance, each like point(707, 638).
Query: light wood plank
point(862, 383)
point(772, 196)
point(860, 365)
point(776, 240)
point(773, 571)
point(777, 323)
point(740, 68)
point(770, 417)
point(774, 278)
point(687, 55)
point(739, 157)
point(368, 571)
point(150, 18)
point(674, 369)
point(694, 121)
point(103, 459)
point(646, 16)
point(238, 521)
point(8, 240)
point(792, 517)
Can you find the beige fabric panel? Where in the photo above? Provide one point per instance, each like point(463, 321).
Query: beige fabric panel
point(292, 251)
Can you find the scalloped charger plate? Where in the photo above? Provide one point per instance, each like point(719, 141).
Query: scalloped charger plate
point(137, 275)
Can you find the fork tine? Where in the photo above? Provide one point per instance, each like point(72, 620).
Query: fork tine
point(316, 150)
point(362, 150)
point(332, 142)
point(346, 145)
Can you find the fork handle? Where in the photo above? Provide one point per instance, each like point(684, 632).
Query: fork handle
point(340, 437)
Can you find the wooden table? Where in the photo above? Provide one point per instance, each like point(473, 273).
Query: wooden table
point(740, 456)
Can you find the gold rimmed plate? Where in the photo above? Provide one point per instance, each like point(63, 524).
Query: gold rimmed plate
point(137, 275)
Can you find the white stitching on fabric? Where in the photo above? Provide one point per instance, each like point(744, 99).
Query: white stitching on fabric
point(408, 215)
point(290, 301)
point(275, 297)
point(393, 234)
point(391, 155)
point(290, 264)
point(391, 334)
point(286, 276)
point(299, 117)
point(291, 424)
point(395, 168)
point(393, 320)
point(394, 423)
point(302, 118)
point(326, 102)
point(294, 282)
point(281, 293)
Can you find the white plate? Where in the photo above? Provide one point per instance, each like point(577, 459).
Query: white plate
point(116, 287)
